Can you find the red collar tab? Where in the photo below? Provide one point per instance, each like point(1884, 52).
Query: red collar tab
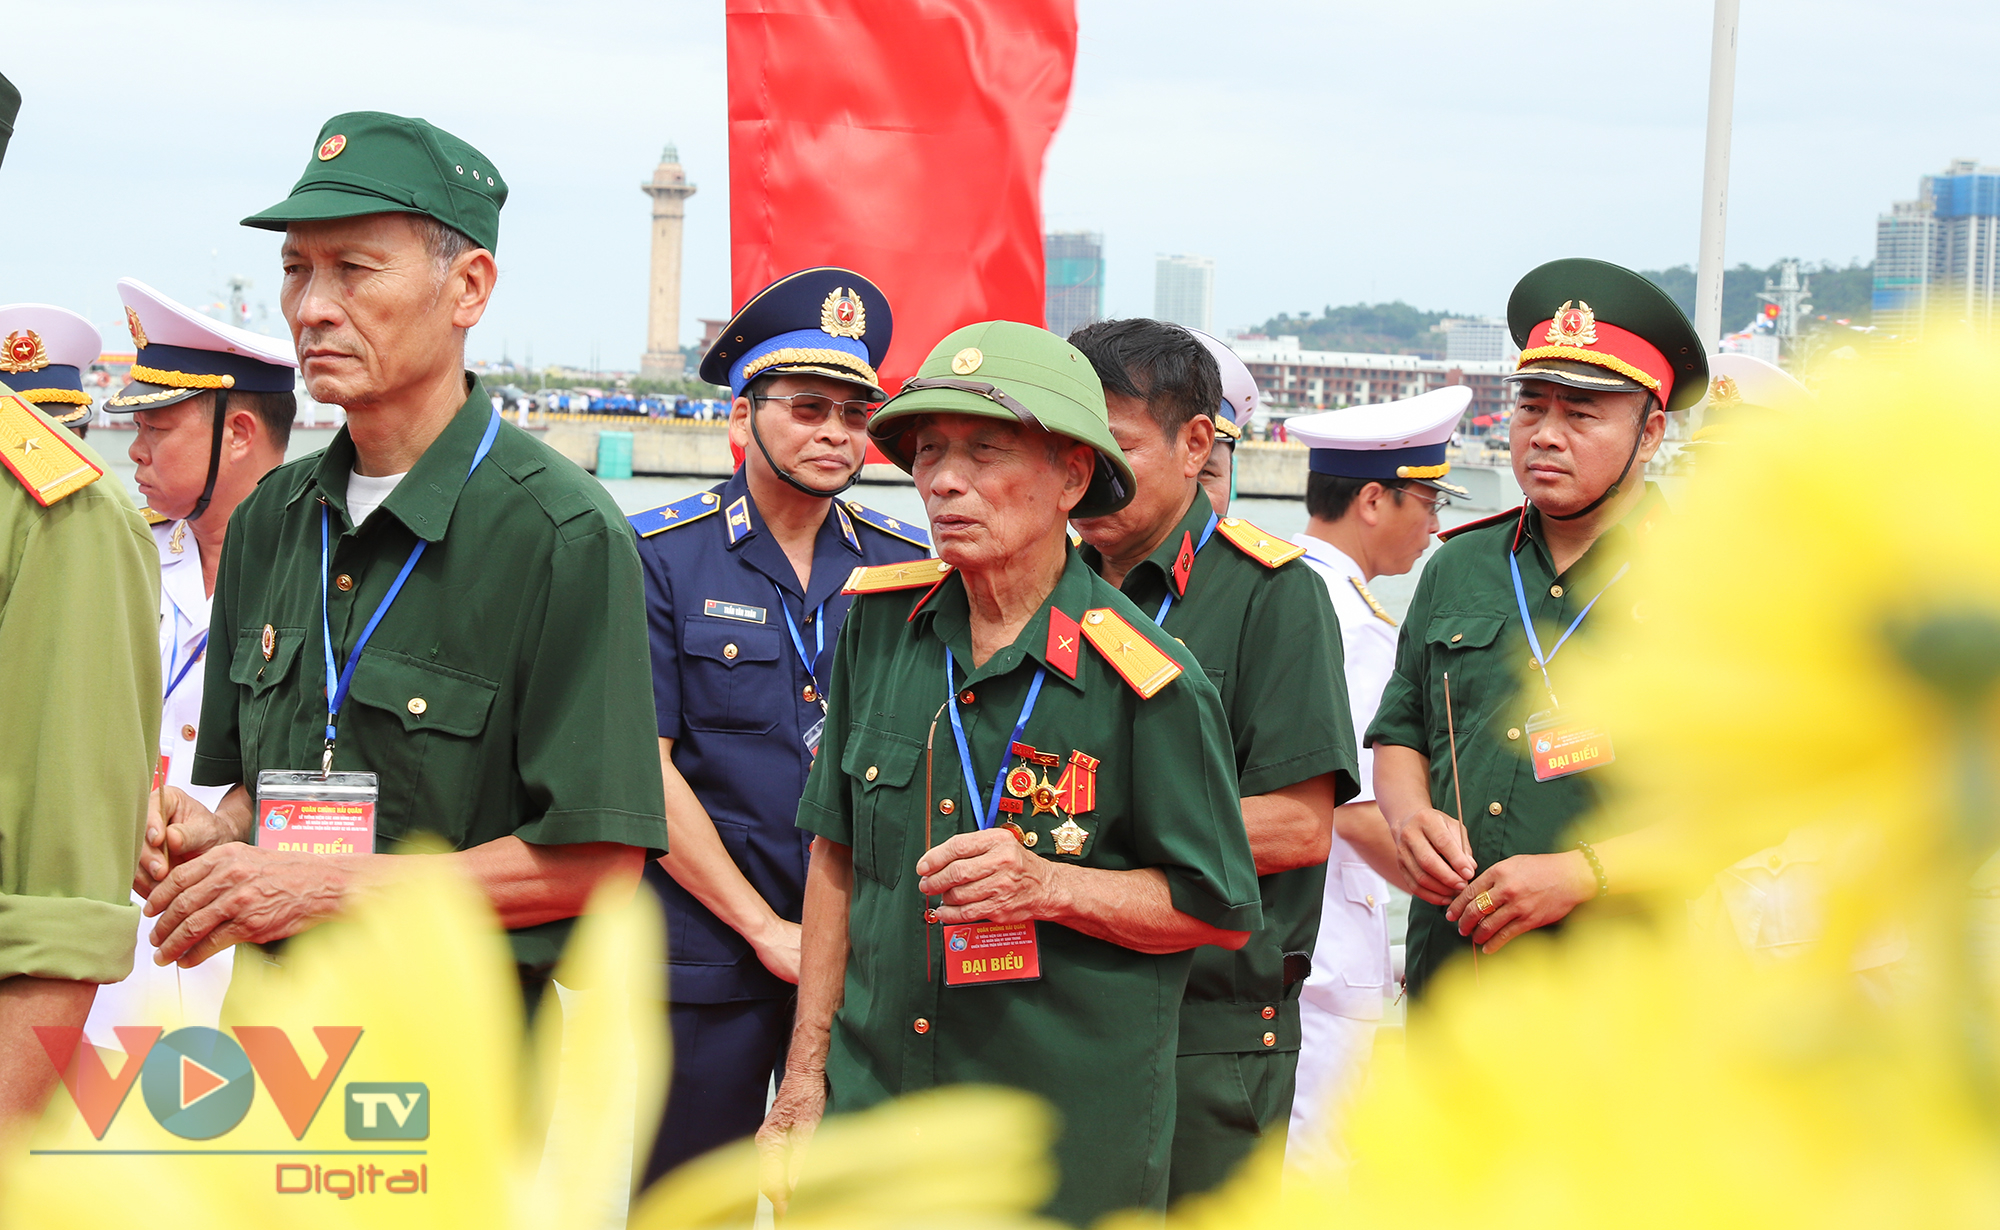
point(1183, 564)
point(1065, 639)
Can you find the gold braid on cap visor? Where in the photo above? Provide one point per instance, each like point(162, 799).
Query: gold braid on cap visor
point(1436, 471)
point(72, 396)
point(799, 354)
point(183, 380)
point(1595, 358)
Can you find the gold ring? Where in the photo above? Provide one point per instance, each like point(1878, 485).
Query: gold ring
point(1485, 903)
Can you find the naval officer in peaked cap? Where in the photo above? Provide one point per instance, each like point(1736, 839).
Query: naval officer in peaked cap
point(1375, 483)
point(744, 604)
point(44, 351)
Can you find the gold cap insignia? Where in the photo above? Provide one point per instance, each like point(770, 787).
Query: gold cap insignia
point(1722, 391)
point(1574, 324)
point(842, 314)
point(330, 148)
point(138, 330)
point(23, 352)
point(967, 361)
point(270, 645)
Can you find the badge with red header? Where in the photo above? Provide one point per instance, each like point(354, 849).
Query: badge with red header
point(1563, 744)
point(983, 952)
point(311, 813)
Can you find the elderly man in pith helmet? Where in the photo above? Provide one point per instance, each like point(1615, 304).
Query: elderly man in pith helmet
point(1025, 808)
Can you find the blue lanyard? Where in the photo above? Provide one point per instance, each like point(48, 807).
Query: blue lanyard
point(1168, 605)
point(798, 642)
point(989, 809)
point(336, 693)
point(185, 667)
point(1528, 623)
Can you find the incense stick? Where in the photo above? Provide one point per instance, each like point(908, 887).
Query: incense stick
point(1458, 798)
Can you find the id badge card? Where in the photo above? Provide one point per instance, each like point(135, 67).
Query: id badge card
point(1563, 743)
point(983, 952)
point(307, 813)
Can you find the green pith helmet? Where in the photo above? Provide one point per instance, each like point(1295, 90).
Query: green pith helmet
point(10, 106)
point(1001, 369)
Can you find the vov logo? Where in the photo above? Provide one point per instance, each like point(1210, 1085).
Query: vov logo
point(199, 1082)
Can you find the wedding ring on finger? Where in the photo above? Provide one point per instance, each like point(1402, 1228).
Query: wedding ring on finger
point(1485, 903)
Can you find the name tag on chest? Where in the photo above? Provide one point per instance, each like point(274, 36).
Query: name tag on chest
point(1565, 744)
point(981, 952)
point(733, 610)
point(307, 814)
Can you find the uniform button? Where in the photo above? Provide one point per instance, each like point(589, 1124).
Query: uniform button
point(187, 734)
point(1776, 862)
point(1555, 591)
point(872, 773)
point(1371, 901)
point(1513, 732)
point(1269, 1012)
point(922, 1026)
point(809, 693)
point(1270, 1039)
point(417, 705)
point(1456, 637)
point(1534, 664)
point(729, 651)
point(946, 805)
point(965, 697)
point(343, 582)
point(930, 916)
point(1493, 809)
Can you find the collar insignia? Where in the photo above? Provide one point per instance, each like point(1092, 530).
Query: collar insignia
point(842, 314)
point(1574, 324)
point(177, 541)
point(23, 352)
point(138, 330)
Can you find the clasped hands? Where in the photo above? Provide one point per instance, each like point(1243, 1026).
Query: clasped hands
point(1493, 906)
point(210, 889)
point(988, 877)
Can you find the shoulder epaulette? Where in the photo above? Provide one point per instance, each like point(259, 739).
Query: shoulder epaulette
point(882, 578)
point(1369, 598)
point(41, 454)
point(1483, 522)
point(154, 518)
point(680, 512)
point(1142, 664)
point(889, 525)
point(1266, 548)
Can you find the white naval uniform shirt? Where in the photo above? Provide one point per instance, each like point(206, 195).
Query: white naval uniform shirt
point(1351, 962)
point(153, 995)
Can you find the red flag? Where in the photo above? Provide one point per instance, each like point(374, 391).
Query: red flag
point(902, 139)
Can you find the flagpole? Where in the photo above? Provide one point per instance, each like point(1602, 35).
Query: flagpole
point(1715, 176)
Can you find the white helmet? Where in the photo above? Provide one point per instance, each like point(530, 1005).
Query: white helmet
point(1239, 387)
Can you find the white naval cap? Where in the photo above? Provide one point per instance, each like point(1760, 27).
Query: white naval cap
point(182, 352)
point(44, 351)
point(1398, 439)
point(1239, 387)
point(1737, 382)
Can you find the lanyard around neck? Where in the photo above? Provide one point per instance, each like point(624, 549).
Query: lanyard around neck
point(798, 642)
point(1528, 623)
point(1168, 604)
point(336, 692)
point(988, 809)
point(185, 666)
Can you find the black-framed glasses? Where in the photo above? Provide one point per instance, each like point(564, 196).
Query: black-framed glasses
point(813, 409)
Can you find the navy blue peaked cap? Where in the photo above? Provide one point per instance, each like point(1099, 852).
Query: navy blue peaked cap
point(825, 321)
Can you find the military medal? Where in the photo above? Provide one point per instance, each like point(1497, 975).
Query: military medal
point(1020, 782)
point(1069, 837)
point(270, 642)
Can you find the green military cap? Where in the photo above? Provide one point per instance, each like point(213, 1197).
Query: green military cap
point(10, 106)
point(371, 162)
point(1002, 369)
point(1591, 324)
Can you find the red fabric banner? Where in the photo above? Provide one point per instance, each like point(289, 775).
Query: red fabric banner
point(902, 139)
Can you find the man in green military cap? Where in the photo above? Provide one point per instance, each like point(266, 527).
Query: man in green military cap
point(79, 722)
point(436, 599)
point(1025, 806)
point(1264, 630)
point(1605, 356)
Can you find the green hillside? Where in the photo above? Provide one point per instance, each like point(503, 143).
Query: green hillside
point(1837, 292)
point(1382, 328)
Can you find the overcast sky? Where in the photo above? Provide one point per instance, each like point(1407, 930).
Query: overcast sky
point(1329, 152)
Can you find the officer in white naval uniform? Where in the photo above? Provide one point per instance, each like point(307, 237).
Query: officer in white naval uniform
point(1373, 491)
point(1239, 402)
point(194, 466)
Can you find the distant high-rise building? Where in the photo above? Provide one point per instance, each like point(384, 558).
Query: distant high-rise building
point(1184, 291)
point(1074, 264)
point(1483, 340)
point(1939, 255)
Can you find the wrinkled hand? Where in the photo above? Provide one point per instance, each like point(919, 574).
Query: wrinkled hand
point(1436, 853)
point(1529, 891)
point(788, 1128)
point(235, 893)
point(177, 829)
point(986, 876)
point(778, 949)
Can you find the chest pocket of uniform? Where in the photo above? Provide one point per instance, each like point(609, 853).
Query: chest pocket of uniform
point(426, 759)
point(423, 695)
point(880, 767)
point(259, 676)
point(729, 676)
point(1458, 633)
point(1462, 642)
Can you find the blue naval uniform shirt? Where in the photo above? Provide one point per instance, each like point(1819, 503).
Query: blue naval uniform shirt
point(730, 691)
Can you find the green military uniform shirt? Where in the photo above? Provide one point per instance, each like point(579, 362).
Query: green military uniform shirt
point(1465, 619)
point(1096, 1034)
point(80, 712)
point(1267, 638)
point(507, 690)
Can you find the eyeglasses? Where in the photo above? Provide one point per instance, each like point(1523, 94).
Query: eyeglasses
point(1435, 504)
point(813, 409)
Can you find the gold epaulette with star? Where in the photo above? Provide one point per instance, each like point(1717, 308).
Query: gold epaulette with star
point(892, 526)
point(882, 578)
point(41, 454)
point(1142, 664)
point(1369, 598)
point(154, 518)
point(680, 512)
point(1266, 548)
